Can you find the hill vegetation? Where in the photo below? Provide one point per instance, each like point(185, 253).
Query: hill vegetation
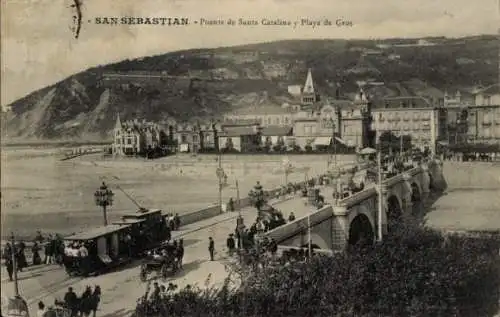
point(209, 82)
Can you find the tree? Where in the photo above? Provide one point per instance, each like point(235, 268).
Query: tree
point(415, 272)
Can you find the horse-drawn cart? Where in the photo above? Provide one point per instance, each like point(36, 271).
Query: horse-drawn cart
point(165, 265)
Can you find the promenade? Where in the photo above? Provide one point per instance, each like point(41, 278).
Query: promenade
point(123, 287)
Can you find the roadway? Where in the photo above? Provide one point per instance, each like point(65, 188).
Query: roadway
point(123, 287)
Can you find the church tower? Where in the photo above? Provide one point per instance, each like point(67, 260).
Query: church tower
point(309, 96)
point(117, 137)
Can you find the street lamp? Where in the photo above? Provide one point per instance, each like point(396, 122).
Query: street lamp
point(104, 198)
point(16, 306)
point(221, 175)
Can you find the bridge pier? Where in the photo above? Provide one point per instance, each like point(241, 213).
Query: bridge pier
point(340, 227)
point(407, 205)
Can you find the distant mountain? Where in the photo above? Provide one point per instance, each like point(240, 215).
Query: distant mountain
point(206, 83)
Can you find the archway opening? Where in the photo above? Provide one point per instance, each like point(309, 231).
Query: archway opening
point(394, 212)
point(361, 232)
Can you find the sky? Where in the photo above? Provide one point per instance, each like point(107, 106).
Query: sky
point(38, 48)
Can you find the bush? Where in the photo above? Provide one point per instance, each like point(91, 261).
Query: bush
point(308, 148)
point(415, 272)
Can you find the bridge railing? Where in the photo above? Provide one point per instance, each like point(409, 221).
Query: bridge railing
point(282, 233)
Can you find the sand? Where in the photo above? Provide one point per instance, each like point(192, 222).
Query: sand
point(41, 192)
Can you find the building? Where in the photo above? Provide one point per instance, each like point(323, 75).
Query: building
point(272, 115)
point(134, 137)
point(265, 115)
point(483, 118)
point(273, 137)
point(422, 119)
point(456, 118)
point(355, 121)
point(240, 137)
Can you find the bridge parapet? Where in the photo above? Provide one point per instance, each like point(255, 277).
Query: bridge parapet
point(301, 225)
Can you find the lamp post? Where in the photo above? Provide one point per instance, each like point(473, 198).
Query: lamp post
point(220, 176)
point(16, 306)
point(380, 196)
point(104, 198)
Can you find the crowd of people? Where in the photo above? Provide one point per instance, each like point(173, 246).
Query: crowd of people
point(72, 305)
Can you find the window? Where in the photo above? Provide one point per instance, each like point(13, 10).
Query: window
point(277, 121)
point(129, 141)
point(268, 120)
point(286, 120)
point(183, 138)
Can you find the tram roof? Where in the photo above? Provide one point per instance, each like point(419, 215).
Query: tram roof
point(96, 232)
point(142, 214)
point(128, 221)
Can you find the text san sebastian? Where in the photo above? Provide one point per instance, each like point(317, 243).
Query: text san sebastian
point(142, 20)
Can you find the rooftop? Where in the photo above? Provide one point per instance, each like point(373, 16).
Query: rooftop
point(261, 110)
point(402, 102)
point(277, 130)
point(490, 90)
point(238, 131)
point(96, 232)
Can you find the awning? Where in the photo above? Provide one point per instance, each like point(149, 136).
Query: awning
point(340, 140)
point(323, 140)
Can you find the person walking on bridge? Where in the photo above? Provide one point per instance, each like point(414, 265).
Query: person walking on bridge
point(211, 248)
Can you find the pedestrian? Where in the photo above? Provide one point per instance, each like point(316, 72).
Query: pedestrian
point(177, 221)
point(291, 217)
point(180, 252)
point(10, 267)
point(230, 243)
point(49, 250)
point(85, 302)
point(211, 248)
point(36, 256)
point(71, 302)
point(96, 299)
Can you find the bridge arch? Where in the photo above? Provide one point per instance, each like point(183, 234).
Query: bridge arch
point(361, 230)
point(394, 208)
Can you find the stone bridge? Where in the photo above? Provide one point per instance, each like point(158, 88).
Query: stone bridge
point(353, 218)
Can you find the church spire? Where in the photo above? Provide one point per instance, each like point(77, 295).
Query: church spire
point(309, 85)
point(118, 124)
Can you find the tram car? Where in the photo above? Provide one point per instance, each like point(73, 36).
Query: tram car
point(107, 248)
point(148, 229)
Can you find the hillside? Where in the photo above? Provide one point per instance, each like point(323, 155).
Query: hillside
point(207, 83)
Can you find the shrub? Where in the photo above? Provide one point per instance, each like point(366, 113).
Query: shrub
point(308, 148)
point(415, 272)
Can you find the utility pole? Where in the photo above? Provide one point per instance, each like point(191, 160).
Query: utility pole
point(238, 196)
point(309, 243)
